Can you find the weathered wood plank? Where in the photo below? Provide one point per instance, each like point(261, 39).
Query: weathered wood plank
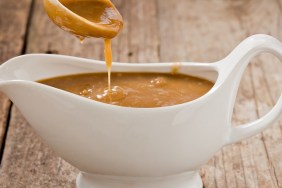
point(138, 42)
point(263, 152)
point(13, 19)
point(207, 31)
point(272, 137)
point(274, 84)
point(27, 160)
point(202, 31)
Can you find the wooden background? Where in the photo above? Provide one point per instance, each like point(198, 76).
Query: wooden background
point(154, 30)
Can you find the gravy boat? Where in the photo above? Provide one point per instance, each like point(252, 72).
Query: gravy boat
point(122, 147)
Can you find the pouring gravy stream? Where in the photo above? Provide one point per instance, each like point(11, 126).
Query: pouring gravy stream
point(88, 18)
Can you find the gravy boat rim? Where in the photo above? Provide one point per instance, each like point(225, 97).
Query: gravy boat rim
point(200, 99)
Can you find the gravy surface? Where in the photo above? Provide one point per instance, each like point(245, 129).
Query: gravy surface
point(145, 90)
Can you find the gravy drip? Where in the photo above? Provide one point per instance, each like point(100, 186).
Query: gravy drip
point(108, 59)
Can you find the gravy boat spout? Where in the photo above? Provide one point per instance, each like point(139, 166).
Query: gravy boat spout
point(116, 146)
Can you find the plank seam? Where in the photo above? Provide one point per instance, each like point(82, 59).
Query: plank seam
point(23, 51)
point(27, 27)
point(6, 132)
point(159, 29)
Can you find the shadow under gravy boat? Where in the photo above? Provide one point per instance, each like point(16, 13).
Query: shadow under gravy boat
point(122, 147)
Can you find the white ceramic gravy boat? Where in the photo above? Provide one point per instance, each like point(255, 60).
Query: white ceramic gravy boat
point(121, 147)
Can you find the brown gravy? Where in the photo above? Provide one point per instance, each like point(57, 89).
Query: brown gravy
point(145, 90)
point(99, 12)
point(94, 11)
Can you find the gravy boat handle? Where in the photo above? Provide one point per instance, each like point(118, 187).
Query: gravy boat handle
point(232, 68)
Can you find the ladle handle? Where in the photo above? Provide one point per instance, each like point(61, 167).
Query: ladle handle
point(239, 59)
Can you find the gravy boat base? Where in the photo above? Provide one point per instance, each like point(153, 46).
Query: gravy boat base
point(185, 180)
point(122, 147)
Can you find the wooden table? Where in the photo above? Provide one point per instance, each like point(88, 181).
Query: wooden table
point(154, 30)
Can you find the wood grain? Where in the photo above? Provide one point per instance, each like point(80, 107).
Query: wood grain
point(168, 30)
point(13, 21)
point(27, 160)
point(207, 31)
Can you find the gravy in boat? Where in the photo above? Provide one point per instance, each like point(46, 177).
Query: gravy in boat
point(143, 90)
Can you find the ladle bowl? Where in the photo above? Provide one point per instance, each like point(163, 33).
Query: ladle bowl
point(123, 147)
point(80, 26)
